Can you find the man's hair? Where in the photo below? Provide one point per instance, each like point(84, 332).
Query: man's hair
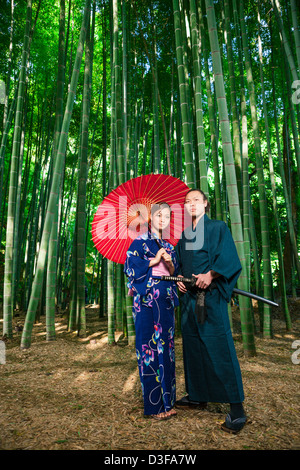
point(207, 208)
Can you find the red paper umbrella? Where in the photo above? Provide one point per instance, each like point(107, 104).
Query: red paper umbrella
point(125, 213)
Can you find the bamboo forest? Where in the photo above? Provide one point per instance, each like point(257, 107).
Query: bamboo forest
point(94, 93)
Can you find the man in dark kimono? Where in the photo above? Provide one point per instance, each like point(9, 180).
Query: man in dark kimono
point(207, 251)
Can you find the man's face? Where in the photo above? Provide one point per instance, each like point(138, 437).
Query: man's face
point(195, 204)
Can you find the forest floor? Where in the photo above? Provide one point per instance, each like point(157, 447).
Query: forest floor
point(82, 394)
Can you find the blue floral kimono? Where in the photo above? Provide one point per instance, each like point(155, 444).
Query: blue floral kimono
point(153, 312)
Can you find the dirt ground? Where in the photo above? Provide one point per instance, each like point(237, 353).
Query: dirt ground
point(82, 394)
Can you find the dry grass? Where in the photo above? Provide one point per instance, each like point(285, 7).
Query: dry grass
point(81, 393)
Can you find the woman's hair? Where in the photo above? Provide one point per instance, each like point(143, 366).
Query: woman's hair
point(207, 208)
point(158, 206)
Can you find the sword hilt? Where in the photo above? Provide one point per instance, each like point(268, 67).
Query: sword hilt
point(187, 280)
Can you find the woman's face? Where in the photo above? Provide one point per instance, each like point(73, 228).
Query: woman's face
point(161, 219)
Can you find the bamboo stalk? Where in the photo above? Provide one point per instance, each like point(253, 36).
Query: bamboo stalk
point(273, 186)
point(198, 99)
point(38, 279)
point(186, 124)
point(233, 198)
point(268, 289)
point(14, 171)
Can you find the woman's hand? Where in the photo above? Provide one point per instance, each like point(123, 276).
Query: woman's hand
point(166, 257)
point(169, 262)
point(157, 258)
point(181, 286)
point(163, 255)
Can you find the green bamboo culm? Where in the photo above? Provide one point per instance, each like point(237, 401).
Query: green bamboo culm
point(244, 148)
point(114, 162)
point(198, 98)
point(291, 229)
point(57, 173)
point(212, 123)
point(156, 150)
point(273, 186)
point(81, 195)
point(53, 242)
point(14, 172)
point(233, 99)
point(3, 147)
point(111, 322)
point(231, 183)
point(284, 39)
point(186, 124)
point(268, 289)
point(294, 12)
point(294, 72)
point(120, 156)
point(130, 329)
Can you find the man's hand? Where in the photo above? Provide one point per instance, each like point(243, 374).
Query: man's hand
point(204, 280)
point(181, 286)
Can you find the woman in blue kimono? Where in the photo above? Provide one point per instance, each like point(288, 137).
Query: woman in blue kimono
point(148, 258)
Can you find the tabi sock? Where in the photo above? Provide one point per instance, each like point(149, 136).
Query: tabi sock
point(236, 410)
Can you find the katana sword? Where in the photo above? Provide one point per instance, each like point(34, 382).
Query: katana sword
point(192, 282)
